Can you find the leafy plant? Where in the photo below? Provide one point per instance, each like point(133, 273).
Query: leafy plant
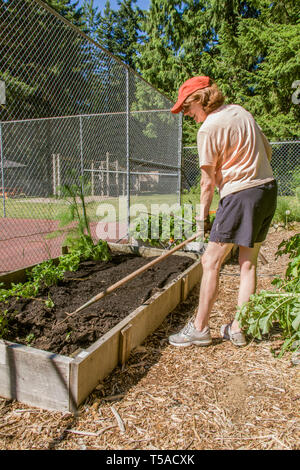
point(86, 249)
point(70, 262)
point(3, 323)
point(292, 248)
point(49, 302)
point(75, 216)
point(29, 338)
point(288, 210)
point(280, 306)
point(164, 229)
point(28, 289)
point(46, 273)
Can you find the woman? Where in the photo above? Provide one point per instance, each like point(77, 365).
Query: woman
point(234, 156)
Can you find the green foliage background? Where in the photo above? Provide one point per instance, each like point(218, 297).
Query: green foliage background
point(251, 48)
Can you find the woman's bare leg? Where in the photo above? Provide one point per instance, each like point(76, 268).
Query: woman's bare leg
point(211, 263)
point(248, 264)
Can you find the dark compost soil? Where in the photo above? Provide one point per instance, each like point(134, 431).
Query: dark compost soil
point(31, 322)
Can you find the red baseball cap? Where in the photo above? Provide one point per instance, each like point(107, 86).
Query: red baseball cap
point(188, 87)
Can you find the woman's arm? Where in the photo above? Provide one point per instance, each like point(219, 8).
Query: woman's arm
point(207, 185)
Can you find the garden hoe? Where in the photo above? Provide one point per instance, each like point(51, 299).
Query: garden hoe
point(131, 276)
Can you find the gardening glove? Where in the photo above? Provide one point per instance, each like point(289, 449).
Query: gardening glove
point(207, 225)
point(195, 247)
point(202, 227)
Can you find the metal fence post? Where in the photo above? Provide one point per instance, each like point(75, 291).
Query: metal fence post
point(127, 153)
point(2, 171)
point(81, 147)
point(179, 156)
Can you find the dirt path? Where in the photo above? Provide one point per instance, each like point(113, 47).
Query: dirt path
point(218, 397)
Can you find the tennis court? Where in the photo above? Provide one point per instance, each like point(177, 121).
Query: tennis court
point(23, 243)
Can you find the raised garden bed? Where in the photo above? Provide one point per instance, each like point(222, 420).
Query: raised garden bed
point(66, 360)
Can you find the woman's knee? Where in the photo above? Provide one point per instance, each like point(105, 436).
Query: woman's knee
point(247, 265)
point(214, 255)
point(248, 257)
point(211, 262)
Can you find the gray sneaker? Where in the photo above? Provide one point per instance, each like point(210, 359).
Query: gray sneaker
point(189, 335)
point(238, 338)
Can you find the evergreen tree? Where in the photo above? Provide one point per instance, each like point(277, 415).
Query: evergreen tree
point(251, 48)
point(106, 29)
point(257, 65)
point(127, 30)
point(158, 61)
point(68, 9)
point(119, 31)
point(23, 66)
point(90, 17)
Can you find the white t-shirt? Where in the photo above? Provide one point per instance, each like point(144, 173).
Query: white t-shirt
point(232, 142)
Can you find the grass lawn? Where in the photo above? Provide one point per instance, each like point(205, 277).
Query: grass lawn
point(288, 209)
point(45, 209)
point(195, 199)
point(284, 204)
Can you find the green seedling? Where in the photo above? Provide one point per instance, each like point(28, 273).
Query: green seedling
point(29, 338)
point(68, 335)
point(49, 302)
point(3, 323)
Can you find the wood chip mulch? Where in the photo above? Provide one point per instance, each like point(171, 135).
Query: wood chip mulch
point(167, 398)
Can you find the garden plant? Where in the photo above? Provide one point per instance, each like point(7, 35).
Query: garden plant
point(49, 273)
point(280, 306)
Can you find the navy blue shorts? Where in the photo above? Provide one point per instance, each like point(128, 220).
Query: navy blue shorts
point(244, 217)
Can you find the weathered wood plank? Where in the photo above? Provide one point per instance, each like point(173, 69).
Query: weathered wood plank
point(124, 346)
point(93, 364)
point(34, 377)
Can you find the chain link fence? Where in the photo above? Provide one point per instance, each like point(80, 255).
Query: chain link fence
point(70, 109)
point(285, 164)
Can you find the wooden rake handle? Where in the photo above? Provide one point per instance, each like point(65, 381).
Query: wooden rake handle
point(136, 273)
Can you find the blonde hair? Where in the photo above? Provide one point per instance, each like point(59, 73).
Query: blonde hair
point(210, 98)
